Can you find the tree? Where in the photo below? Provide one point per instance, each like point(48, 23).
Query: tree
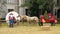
point(35, 5)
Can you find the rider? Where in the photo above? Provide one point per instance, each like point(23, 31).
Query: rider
point(52, 19)
point(41, 21)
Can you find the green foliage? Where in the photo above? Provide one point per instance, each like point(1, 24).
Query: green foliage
point(27, 3)
point(58, 19)
point(41, 3)
point(34, 5)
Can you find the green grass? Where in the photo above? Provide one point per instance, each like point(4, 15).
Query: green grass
point(30, 30)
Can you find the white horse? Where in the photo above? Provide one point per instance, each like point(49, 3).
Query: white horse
point(28, 18)
point(32, 19)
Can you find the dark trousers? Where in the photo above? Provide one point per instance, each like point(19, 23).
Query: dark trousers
point(40, 23)
point(52, 23)
point(11, 23)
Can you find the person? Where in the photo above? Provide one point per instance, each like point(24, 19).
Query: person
point(49, 15)
point(11, 20)
point(41, 20)
point(52, 19)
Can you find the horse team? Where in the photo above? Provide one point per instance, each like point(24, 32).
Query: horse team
point(51, 19)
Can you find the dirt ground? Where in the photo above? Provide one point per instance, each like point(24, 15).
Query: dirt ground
point(29, 30)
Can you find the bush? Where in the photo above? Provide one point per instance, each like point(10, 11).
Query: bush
point(2, 18)
point(58, 19)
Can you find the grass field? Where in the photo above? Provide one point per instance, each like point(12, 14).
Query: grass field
point(23, 29)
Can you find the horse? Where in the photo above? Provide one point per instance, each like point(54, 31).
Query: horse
point(32, 19)
point(25, 18)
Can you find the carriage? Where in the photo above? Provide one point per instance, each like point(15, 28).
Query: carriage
point(51, 19)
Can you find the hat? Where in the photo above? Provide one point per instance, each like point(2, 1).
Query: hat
point(49, 14)
point(10, 14)
point(42, 16)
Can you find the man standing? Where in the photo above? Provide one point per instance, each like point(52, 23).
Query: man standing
point(11, 20)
